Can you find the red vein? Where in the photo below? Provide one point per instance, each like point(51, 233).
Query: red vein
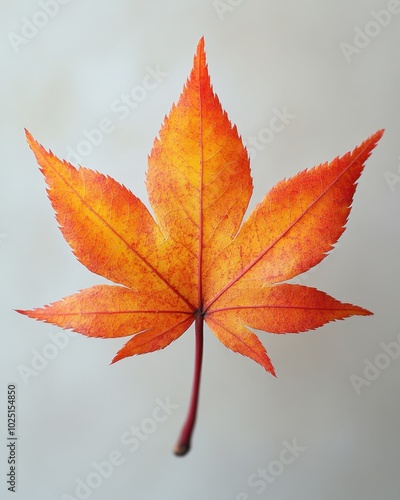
point(201, 193)
point(89, 313)
point(222, 309)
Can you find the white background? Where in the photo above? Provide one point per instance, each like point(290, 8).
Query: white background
point(262, 55)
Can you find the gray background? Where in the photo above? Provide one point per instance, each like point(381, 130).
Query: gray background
point(262, 55)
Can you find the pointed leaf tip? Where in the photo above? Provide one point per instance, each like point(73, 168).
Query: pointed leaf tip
point(378, 134)
point(200, 59)
point(28, 136)
point(200, 45)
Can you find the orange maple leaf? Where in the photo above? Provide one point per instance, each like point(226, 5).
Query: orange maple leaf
point(196, 260)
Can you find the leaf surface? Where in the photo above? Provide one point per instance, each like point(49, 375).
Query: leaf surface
point(196, 259)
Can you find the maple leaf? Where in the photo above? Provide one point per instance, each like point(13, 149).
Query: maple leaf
point(196, 261)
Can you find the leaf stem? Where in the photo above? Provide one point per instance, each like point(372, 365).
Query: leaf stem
point(183, 445)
